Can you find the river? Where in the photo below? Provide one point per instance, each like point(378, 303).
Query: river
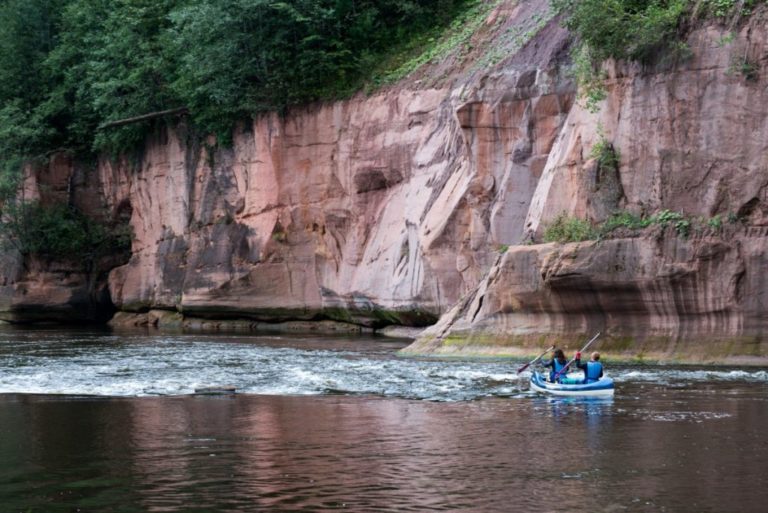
point(96, 421)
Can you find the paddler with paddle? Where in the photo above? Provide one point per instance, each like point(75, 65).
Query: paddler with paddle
point(593, 369)
point(556, 364)
point(595, 383)
point(577, 359)
point(559, 367)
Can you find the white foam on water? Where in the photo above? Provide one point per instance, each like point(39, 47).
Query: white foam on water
point(142, 366)
point(665, 375)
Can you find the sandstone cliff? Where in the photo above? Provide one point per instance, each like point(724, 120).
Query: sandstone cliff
point(693, 137)
point(397, 208)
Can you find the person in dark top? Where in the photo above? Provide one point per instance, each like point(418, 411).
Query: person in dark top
point(556, 364)
point(593, 369)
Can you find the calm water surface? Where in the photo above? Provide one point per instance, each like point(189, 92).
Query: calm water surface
point(101, 422)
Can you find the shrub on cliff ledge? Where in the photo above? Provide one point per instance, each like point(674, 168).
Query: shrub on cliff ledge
point(604, 152)
point(683, 224)
point(569, 229)
point(623, 29)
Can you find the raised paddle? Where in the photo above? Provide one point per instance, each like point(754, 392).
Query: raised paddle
point(574, 359)
point(521, 369)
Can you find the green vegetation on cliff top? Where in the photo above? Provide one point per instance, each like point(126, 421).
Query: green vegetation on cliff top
point(639, 30)
point(70, 67)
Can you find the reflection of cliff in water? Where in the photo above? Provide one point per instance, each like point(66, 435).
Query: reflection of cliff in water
point(649, 448)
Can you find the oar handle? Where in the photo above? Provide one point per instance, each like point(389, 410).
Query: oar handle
point(574, 359)
point(521, 369)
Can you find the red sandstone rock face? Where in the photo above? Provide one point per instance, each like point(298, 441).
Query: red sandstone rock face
point(48, 289)
point(392, 208)
point(371, 210)
point(307, 213)
point(649, 291)
point(692, 137)
point(379, 203)
point(374, 210)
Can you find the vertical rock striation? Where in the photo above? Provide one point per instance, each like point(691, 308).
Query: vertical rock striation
point(692, 137)
point(377, 210)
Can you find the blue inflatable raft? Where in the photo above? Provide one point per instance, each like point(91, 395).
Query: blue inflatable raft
point(601, 388)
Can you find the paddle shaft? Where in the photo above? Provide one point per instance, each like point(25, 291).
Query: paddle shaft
point(574, 359)
point(521, 369)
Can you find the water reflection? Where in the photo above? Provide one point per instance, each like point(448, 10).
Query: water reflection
point(687, 441)
point(250, 453)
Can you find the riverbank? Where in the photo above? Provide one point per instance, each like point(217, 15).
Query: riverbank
point(735, 351)
point(743, 351)
point(421, 342)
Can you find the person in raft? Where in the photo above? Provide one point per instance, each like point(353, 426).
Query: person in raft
point(593, 369)
point(556, 364)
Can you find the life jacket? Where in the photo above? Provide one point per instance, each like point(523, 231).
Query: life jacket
point(593, 372)
point(556, 367)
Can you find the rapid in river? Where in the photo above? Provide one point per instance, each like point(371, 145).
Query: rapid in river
point(98, 421)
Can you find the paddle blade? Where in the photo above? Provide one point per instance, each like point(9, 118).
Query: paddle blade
point(521, 369)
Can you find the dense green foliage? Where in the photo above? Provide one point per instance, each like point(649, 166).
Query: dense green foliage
point(27, 35)
point(240, 56)
point(59, 231)
point(638, 29)
point(69, 66)
point(623, 29)
point(728, 8)
point(110, 63)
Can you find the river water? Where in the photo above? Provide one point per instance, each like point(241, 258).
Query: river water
point(108, 422)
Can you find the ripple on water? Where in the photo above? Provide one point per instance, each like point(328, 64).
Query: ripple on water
point(678, 416)
point(114, 366)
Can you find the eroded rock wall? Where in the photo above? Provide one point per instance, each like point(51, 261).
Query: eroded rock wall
point(377, 210)
point(398, 207)
point(692, 134)
point(52, 288)
point(692, 137)
point(316, 212)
